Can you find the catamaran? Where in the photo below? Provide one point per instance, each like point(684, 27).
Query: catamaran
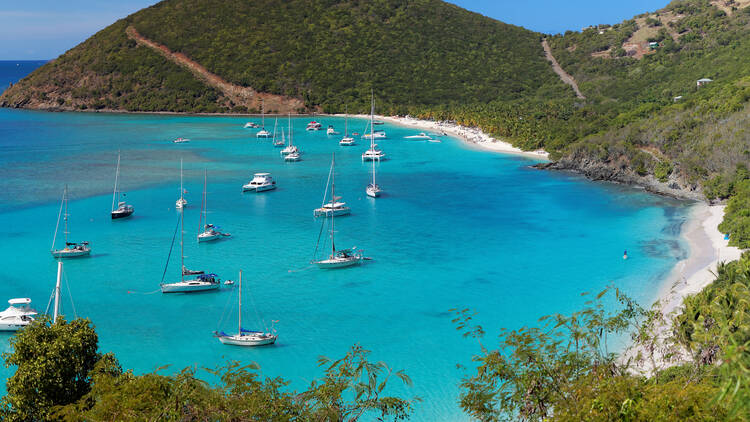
point(347, 140)
point(182, 202)
point(331, 130)
point(373, 154)
point(210, 232)
point(246, 337)
point(338, 258)
point(373, 189)
point(261, 182)
point(291, 148)
point(263, 133)
point(71, 249)
point(18, 315)
point(123, 209)
point(334, 207)
point(313, 126)
point(202, 282)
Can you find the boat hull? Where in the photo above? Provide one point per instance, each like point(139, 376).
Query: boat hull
point(13, 326)
point(116, 215)
point(247, 188)
point(373, 193)
point(208, 237)
point(62, 253)
point(332, 264)
point(247, 340)
point(321, 212)
point(188, 287)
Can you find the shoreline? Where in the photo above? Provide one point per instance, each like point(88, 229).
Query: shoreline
point(707, 248)
point(472, 136)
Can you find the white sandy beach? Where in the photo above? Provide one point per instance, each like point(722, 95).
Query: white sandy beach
point(707, 248)
point(472, 136)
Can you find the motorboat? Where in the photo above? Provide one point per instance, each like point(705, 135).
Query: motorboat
point(378, 134)
point(18, 315)
point(314, 126)
point(246, 337)
point(421, 135)
point(123, 209)
point(251, 125)
point(70, 249)
point(261, 182)
point(181, 141)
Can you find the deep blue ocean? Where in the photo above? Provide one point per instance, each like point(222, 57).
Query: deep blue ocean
point(455, 227)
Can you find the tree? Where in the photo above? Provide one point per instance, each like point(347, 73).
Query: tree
point(53, 367)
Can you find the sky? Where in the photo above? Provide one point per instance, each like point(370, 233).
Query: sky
point(44, 29)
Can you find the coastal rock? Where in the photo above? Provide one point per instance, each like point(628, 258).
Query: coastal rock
point(620, 171)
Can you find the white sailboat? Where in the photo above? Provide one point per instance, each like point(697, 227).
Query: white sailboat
point(373, 189)
point(338, 258)
point(201, 282)
point(123, 209)
point(333, 207)
point(373, 154)
point(279, 143)
point(246, 337)
point(291, 148)
point(347, 140)
point(182, 202)
point(70, 249)
point(263, 133)
point(210, 232)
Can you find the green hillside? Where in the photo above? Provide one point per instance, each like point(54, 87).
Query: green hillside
point(413, 53)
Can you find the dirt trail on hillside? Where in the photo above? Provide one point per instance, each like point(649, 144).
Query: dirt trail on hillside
point(559, 70)
point(239, 95)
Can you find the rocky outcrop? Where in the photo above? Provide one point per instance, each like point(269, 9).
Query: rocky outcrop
point(619, 171)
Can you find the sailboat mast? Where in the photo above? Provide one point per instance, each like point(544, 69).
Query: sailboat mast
point(333, 203)
point(372, 119)
point(203, 203)
point(182, 247)
point(65, 217)
point(239, 328)
point(275, 124)
point(346, 120)
point(57, 291)
point(117, 176)
point(182, 190)
point(263, 113)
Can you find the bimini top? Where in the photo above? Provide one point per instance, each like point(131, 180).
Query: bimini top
point(20, 301)
point(262, 174)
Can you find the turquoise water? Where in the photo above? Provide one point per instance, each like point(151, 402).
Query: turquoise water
point(456, 227)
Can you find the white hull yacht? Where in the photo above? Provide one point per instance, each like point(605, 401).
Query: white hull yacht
point(18, 315)
point(123, 209)
point(261, 182)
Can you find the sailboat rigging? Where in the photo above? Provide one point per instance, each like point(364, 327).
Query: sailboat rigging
point(246, 337)
point(70, 249)
point(123, 209)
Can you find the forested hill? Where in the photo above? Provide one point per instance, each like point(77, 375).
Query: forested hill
point(326, 53)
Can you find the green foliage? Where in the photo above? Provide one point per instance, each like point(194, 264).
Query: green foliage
point(737, 216)
point(351, 389)
point(53, 367)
